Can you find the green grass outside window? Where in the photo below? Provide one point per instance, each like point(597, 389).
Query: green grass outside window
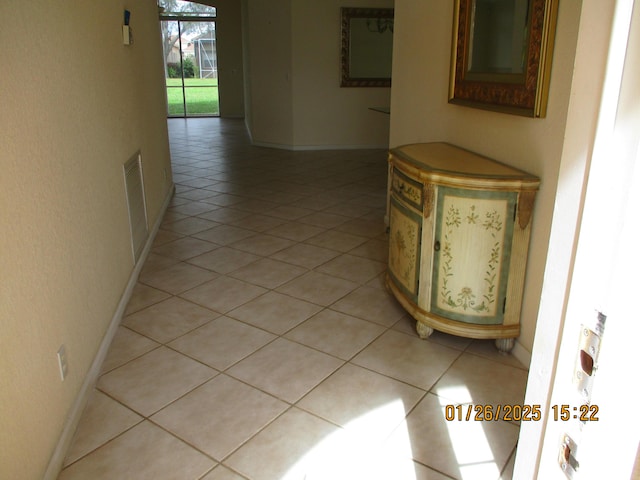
point(201, 95)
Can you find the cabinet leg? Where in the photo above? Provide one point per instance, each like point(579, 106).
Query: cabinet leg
point(505, 345)
point(423, 330)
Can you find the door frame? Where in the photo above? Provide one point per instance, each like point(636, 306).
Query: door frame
point(189, 18)
point(593, 259)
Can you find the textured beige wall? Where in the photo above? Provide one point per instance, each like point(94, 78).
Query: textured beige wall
point(270, 100)
point(76, 104)
point(324, 113)
point(420, 113)
point(294, 97)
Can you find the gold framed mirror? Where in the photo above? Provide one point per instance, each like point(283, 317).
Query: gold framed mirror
point(501, 55)
point(366, 47)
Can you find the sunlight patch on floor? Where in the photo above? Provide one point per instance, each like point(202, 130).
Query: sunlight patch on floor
point(357, 451)
point(468, 440)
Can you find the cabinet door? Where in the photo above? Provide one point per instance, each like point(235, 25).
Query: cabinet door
point(471, 258)
point(405, 233)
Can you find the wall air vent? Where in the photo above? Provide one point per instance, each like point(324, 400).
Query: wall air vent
point(134, 188)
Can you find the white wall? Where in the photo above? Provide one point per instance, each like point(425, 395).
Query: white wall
point(324, 113)
point(294, 98)
point(269, 50)
point(76, 104)
point(420, 113)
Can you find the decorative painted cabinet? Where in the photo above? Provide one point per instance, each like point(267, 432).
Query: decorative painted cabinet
point(459, 227)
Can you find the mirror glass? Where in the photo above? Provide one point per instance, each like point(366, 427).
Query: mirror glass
point(498, 36)
point(367, 47)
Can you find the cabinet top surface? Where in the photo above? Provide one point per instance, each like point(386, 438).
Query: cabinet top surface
point(446, 158)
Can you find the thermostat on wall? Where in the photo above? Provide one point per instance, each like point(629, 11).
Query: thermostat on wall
point(126, 35)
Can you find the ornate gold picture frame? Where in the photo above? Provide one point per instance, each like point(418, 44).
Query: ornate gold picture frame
point(366, 47)
point(520, 87)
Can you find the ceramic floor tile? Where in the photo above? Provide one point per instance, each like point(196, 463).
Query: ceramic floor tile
point(223, 294)
point(154, 263)
point(165, 236)
point(373, 249)
point(318, 288)
point(197, 182)
point(190, 225)
point(170, 217)
point(295, 231)
point(371, 304)
point(407, 359)
point(125, 346)
point(176, 278)
point(147, 450)
point(287, 449)
point(363, 228)
point(407, 324)
point(487, 349)
point(467, 450)
point(224, 215)
point(192, 208)
point(169, 319)
point(185, 248)
point(275, 312)
point(420, 472)
point(356, 269)
point(335, 240)
point(300, 446)
point(222, 473)
point(285, 197)
point(143, 296)
point(222, 342)
point(102, 420)
point(472, 379)
point(196, 194)
point(507, 473)
point(154, 380)
point(324, 220)
point(223, 260)
point(308, 256)
point(257, 222)
point(268, 273)
point(224, 234)
point(220, 415)
point(285, 369)
point(349, 209)
point(335, 333)
point(263, 202)
point(225, 200)
point(262, 244)
point(369, 404)
point(289, 212)
point(318, 203)
point(377, 282)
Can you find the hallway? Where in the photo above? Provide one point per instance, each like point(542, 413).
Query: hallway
point(260, 342)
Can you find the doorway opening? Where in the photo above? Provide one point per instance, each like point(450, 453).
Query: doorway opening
point(190, 59)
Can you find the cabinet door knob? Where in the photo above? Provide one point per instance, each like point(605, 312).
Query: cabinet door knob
point(436, 246)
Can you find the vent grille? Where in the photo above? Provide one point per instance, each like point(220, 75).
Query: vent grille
point(134, 187)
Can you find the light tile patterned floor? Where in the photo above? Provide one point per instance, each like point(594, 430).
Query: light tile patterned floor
point(260, 342)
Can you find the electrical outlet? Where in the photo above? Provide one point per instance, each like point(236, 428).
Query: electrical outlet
point(62, 362)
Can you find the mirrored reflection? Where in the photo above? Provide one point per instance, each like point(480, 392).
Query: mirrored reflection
point(498, 33)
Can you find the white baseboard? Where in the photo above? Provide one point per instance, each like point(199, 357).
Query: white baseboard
point(522, 354)
point(64, 442)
